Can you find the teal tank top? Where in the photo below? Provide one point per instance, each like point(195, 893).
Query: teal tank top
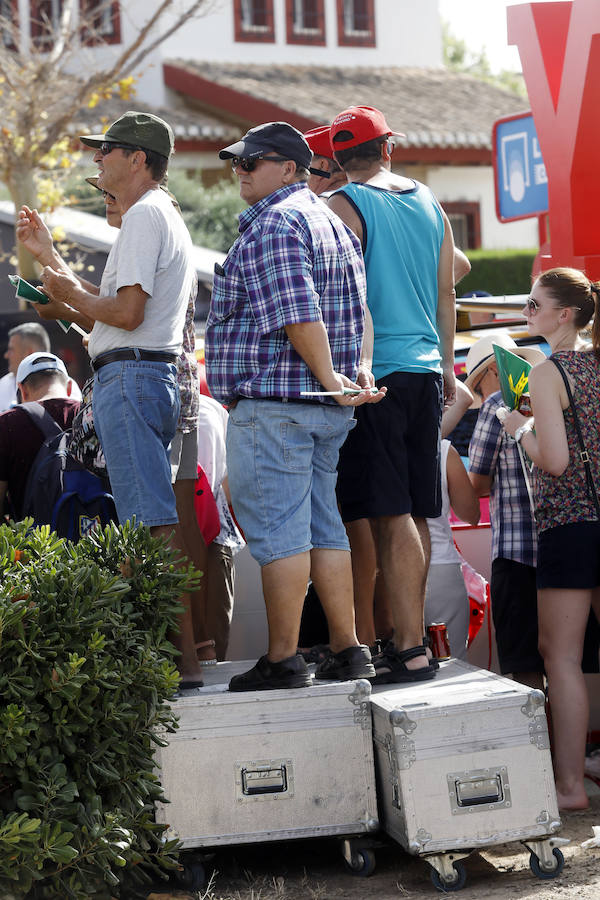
point(402, 236)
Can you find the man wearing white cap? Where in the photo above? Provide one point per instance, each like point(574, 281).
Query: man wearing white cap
point(43, 377)
point(495, 469)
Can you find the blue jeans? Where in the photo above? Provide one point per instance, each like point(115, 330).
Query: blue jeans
point(282, 466)
point(136, 407)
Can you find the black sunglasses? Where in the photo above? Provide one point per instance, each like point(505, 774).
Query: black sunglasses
point(108, 146)
point(249, 165)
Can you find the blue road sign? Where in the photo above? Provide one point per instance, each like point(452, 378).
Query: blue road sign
point(520, 174)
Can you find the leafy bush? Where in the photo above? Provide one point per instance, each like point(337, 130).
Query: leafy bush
point(498, 271)
point(85, 668)
point(210, 213)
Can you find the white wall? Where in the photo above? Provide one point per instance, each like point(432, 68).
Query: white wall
point(475, 184)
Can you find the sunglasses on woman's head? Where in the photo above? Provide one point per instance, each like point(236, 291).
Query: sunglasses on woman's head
point(249, 165)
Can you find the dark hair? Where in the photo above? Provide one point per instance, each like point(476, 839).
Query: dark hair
point(362, 155)
point(45, 378)
point(157, 163)
point(571, 287)
point(302, 174)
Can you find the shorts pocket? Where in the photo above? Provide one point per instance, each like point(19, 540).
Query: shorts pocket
point(297, 447)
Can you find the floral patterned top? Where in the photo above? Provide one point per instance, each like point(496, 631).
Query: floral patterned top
point(563, 499)
point(187, 370)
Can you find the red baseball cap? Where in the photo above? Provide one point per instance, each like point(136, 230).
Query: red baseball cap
point(365, 123)
point(319, 142)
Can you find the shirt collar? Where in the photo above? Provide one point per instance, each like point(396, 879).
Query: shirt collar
point(249, 215)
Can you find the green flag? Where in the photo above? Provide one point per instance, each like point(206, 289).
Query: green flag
point(513, 372)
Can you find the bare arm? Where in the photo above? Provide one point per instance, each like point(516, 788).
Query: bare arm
point(453, 414)
point(125, 310)
point(342, 207)
point(311, 342)
point(446, 312)
point(463, 498)
point(462, 266)
point(481, 484)
point(548, 447)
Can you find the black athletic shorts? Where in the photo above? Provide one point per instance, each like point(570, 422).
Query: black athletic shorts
point(390, 463)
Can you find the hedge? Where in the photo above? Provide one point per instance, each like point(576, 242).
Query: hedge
point(498, 271)
point(85, 669)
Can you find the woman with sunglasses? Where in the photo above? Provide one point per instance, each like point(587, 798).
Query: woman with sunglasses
point(562, 302)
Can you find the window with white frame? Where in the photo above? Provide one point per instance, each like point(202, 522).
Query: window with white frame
point(305, 21)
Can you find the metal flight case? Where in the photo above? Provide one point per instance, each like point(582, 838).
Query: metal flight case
point(463, 763)
point(271, 766)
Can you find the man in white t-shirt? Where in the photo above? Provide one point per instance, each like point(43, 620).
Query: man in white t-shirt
point(137, 317)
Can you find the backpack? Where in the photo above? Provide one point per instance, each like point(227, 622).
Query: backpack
point(60, 491)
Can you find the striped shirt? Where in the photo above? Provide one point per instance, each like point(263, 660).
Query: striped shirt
point(493, 452)
point(294, 261)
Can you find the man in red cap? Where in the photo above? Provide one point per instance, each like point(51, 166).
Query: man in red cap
point(326, 175)
point(389, 465)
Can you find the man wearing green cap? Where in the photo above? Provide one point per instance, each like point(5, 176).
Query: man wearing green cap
point(137, 317)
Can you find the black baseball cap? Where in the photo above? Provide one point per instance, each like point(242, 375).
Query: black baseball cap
point(272, 137)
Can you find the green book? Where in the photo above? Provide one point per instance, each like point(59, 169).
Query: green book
point(26, 291)
point(513, 372)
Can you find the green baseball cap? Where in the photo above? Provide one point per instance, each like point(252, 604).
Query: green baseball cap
point(138, 129)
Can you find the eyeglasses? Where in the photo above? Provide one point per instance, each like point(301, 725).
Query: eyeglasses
point(107, 147)
point(533, 307)
point(249, 165)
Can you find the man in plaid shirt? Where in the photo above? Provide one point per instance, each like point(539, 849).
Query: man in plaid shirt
point(495, 469)
point(287, 317)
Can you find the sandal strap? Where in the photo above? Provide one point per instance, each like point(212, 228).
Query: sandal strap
point(409, 653)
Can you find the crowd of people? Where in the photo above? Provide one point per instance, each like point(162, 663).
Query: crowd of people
point(330, 343)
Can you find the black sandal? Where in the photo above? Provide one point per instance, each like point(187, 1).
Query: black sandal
point(391, 668)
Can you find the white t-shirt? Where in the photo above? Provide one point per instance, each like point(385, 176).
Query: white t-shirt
point(153, 249)
point(443, 550)
point(212, 431)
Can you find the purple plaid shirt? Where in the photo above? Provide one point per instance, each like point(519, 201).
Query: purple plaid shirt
point(493, 452)
point(294, 261)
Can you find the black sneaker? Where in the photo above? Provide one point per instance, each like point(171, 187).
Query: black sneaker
point(272, 676)
point(353, 662)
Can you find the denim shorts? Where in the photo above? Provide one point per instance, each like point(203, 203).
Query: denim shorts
point(281, 461)
point(136, 408)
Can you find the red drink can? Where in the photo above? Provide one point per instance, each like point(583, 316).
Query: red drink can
point(438, 640)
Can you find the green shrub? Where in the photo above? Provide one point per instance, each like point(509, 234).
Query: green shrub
point(210, 213)
point(85, 668)
point(498, 271)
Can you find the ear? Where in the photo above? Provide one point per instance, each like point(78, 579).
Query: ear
point(24, 392)
point(288, 172)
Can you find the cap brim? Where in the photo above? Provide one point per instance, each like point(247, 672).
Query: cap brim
point(243, 149)
point(397, 134)
point(93, 140)
point(93, 181)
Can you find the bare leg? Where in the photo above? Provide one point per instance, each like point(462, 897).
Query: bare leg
point(403, 550)
point(188, 664)
point(562, 616)
point(196, 551)
point(284, 587)
point(364, 571)
point(331, 573)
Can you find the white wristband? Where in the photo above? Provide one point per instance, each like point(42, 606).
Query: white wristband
point(523, 429)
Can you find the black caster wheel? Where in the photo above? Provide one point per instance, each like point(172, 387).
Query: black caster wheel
point(457, 883)
point(539, 872)
point(363, 863)
point(193, 876)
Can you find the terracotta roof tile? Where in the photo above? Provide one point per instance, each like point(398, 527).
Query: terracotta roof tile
point(433, 107)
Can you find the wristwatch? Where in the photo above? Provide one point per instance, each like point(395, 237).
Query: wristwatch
point(523, 429)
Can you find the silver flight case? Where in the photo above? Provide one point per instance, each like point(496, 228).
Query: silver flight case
point(269, 765)
point(463, 762)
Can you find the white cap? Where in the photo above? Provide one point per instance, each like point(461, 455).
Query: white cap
point(39, 362)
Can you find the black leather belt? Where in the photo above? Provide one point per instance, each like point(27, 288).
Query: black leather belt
point(129, 353)
point(291, 400)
